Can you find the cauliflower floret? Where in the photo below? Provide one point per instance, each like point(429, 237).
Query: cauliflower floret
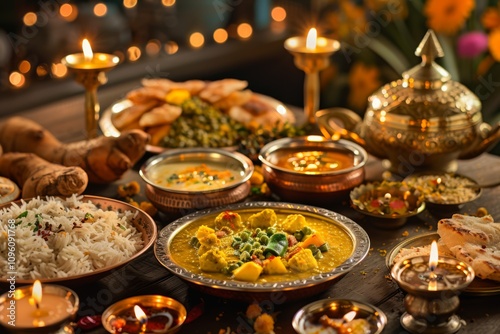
point(263, 219)
point(293, 223)
point(229, 219)
point(303, 261)
point(203, 231)
point(213, 261)
point(210, 240)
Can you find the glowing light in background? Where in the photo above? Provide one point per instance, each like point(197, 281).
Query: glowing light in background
point(244, 30)
point(68, 12)
point(168, 3)
point(24, 66)
point(129, 3)
point(16, 79)
point(220, 35)
point(100, 9)
point(41, 70)
point(171, 47)
point(29, 19)
point(196, 40)
point(153, 47)
point(59, 70)
point(278, 14)
point(133, 53)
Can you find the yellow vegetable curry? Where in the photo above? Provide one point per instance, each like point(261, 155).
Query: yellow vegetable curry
point(261, 245)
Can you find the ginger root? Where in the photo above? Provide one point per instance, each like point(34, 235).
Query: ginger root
point(38, 177)
point(104, 159)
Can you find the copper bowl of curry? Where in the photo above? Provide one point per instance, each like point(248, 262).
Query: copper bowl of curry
point(312, 169)
point(185, 180)
point(228, 253)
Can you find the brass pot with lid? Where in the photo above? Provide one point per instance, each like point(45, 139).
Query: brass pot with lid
point(423, 121)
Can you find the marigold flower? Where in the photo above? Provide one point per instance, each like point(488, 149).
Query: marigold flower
point(494, 44)
point(363, 81)
point(447, 16)
point(491, 18)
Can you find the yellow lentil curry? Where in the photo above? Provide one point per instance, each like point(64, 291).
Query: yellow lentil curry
point(261, 245)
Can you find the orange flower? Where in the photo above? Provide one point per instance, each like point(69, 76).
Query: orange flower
point(494, 44)
point(363, 81)
point(447, 16)
point(491, 18)
point(344, 22)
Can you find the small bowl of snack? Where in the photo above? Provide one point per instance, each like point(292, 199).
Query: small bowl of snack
point(339, 316)
point(389, 202)
point(445, 191)
point(192, 179)
point(312, 169)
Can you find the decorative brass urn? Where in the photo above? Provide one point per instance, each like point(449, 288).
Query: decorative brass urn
point(424, 121)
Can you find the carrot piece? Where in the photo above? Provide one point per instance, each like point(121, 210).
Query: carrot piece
point(314, 239)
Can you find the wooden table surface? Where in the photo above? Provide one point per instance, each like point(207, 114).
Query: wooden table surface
point(368, 282)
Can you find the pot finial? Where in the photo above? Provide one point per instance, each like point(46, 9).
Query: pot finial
point(428, 70)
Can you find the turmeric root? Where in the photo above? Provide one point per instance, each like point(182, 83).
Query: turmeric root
point(38, 177)
point(104, 159)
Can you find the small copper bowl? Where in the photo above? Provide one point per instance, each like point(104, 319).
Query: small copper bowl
point(174, 198)
point(163, 314)
point(307, 319)
point(312, 169)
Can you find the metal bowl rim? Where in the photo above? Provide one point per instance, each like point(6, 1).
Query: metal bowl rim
point(361, 244)
point(313, 306)
point(245, 163)
point(283, 143)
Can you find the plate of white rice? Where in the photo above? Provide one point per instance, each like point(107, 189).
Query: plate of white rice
point(56, 239)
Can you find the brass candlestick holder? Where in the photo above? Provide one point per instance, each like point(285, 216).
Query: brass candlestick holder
point(432, 298)
point(311, 55)
point(90, 71)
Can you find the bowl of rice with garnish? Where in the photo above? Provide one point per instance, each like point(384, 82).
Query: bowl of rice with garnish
point(70, 240)
point(445, 190)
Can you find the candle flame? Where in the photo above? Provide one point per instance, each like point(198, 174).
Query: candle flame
point(438, 181)
point(433, 262)
point(36, 293)
point(311, 40)
point(139, 314)
point(433, 258)
point(349, 316)
point(87, 50)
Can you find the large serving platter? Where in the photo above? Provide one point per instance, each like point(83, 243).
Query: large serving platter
point(108, 129)
point(142, 221)
point(248, 291)
point(478, 287)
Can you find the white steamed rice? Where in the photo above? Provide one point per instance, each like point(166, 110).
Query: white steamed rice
point(63, 245)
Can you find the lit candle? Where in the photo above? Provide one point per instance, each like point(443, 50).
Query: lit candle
point(432, 283)
point(141, 316)
point(90, 60)
point(433, 262)
point(36, 307)
point(312, 44)
point(89, 69)
point(144, 314)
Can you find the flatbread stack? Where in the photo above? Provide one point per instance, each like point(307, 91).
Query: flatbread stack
point(472, 240)
point(475, 241)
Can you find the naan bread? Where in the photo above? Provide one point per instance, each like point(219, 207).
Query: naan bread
point(405, 253)
point(474, 240)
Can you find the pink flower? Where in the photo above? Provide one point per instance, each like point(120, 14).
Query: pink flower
point(472, 44)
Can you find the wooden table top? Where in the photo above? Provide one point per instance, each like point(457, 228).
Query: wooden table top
point(369, 282)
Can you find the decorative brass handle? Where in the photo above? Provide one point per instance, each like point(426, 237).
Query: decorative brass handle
point(339, 123)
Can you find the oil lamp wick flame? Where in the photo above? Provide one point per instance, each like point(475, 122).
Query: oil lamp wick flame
point(36, 293)
point(349, 316)
point(141, 316)
point(433, 258)
point(87, 50)
point(311, 40)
